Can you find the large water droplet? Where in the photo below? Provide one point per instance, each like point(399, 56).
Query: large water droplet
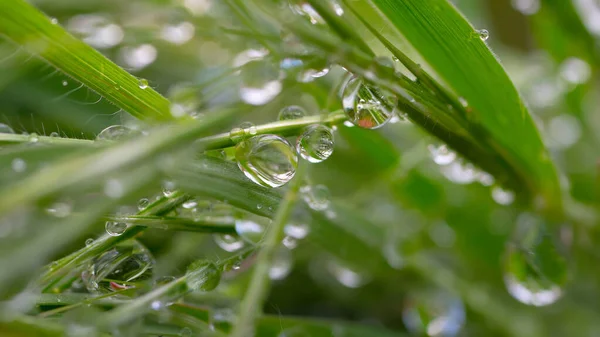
point(118, 267)
point(535, 268)
point(441, 155)
point(315, 144)
point(115, 228)
point(291, 112)
point(434, 314)
point(260, 82)
point(483, 34)
point(6, 129)
point(228, 242)
point(143, 203)
point(267, 160)
point(365, 105)
point(316, 197)
point(117, 132)
point(203, 276)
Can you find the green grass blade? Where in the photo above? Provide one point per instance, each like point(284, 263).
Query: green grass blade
point(32, 30)
point(453, 49)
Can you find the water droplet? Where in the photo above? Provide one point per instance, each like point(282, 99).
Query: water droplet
point(315, 144)
point(459, 173)
point(185, 332)
point(485, 178)
point(291, 112)
point(289, 242)
point(143, 203)
point(434, 314)
point(260, 82)
point(157, 305)
point(337, 8)
point(442, 155)
point(54, 134)
point(228, 242)
point(18, 165)
point(385, 62)
point(118, 267)
point(365, 105)
point(114, 189)
point(305, 9)
point(143, 83)
point(6, 129)
point(117, 132)
point(54, 21)
point(168, 188)
point(245, 130)
point(65, 83)
point(483, 34)
point(535, 268)
point(115, 228)
point(281, 265)
point(89, 242)
point(33, 137)
point(316, 197)
point(60, 209)
point(249, 229)
point(347, 277)
point(267, 160)
point(296, 230)
point(502, 196)
point(575, 70)
point(203, 276)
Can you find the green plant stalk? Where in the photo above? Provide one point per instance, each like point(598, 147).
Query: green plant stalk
point(13, 138)
point(31, 29)
point(61, 267)
point(89, 300)
point(256, 293)
point(207, 224)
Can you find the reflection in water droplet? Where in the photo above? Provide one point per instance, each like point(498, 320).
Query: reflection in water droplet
point(365, 105)
point(89, 242)
point(434, 314)
point(483, 34)
point(267, 160)
point(441, 155)
point(117, 132)
point(6, 129)
point(114, 228)
point(281, 265)
point(18, 165)
point(535, 268)
point(203, 276)
point(316, 197)
point(143, 83)
point(118, 267)
point(227, 242)
point(143, 203)
point(291, 112)
point(315, 144)
point(502, 196)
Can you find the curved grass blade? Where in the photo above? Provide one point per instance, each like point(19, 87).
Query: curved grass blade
point(459, 57)
point(31, 29)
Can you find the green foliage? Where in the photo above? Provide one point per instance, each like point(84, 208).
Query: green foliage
point(403, 229)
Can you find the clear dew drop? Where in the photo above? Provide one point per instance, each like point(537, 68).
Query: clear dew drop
point(118, 267)
point(203, 276)
point(249, 229)
point(89, 242)
point(433, 314)
point(168, 188)
point(291, 112)
point(303, 8)
point(6, 129)
point(502, 196)
point(143, 203)
point(116, 132)
point(115, 228)
point(228, 242)
point(296, 230)
point(54, 21)
point(366, 106)
point(143, 83)
point(54, 134)
point(18, 165)
point(483, 34)
point(190, 204)
point(267, 160)
point(535, 267)
point(260, 82)
point(245, 130)
point(441, 155)
point(65, 83)
point(281, 266)
point(33, 137)
point(315, 144)
point(316, 197)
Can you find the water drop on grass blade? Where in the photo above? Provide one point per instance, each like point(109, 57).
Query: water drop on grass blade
point(316, 197)
point(267, 160)
point(228, 242)
point(291, 112)
point(115, 228)
point(315, 144)
point(365, 105)
point(203, 276)
point(6, 129)
point(143, 83)
point(483, 34)
point(441, 155)
point(116, 132)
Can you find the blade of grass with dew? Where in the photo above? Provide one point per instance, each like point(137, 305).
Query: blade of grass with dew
point(457, 54)
point(29, 28)
point(200, 225)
